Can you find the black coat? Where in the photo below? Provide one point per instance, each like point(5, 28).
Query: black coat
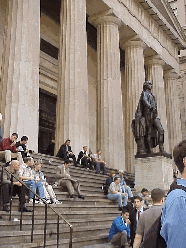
point(133, 225)
point(62, 153)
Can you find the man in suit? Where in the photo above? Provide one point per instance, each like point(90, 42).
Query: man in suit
point(64, 179)
point(84, 158)
point(65, 152)
point(135, 215)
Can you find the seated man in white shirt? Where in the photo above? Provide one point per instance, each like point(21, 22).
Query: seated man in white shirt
point(99, 162)
point(26, 174)
point(115, 193)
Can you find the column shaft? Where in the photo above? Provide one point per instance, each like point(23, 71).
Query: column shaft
point(173, 110)
point(154, 71)
point(20, 70)
point(72, 118)
point(110, 114)
point(134, 79)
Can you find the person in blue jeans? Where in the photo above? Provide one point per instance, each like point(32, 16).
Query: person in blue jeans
point(26, 174)
point(115, 193)
point(124, 187)
point(39, 179)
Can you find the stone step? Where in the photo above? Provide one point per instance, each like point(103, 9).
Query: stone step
point(51, 224)
point(25, 236)
point(64, 243)
point(86, 215)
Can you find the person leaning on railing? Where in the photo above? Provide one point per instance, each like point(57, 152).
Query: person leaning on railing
point(18, 188)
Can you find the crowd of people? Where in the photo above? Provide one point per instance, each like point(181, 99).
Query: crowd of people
point(133, 227)
point(157, 225)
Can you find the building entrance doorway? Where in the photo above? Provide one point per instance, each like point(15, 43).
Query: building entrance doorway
point(47, 119)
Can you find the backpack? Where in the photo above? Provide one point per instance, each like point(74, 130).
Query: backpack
point(153, 239)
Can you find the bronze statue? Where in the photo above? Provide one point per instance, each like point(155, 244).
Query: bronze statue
point(146, 126)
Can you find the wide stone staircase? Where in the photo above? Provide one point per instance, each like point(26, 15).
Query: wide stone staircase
point(91, 218)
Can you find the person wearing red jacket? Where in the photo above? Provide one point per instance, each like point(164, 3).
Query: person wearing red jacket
point(8, 149)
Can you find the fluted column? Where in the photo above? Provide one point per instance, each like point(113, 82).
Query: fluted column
point(110, 129)
point(72, 117)
point(172, 107)
point(20, 70)
point(154, 73)
point(134, 79)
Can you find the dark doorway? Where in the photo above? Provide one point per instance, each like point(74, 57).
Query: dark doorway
point(47, 119)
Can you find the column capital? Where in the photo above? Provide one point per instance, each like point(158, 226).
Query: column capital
point(171, 74)
point(135, 41)
point(154, 60)
point(105, 17)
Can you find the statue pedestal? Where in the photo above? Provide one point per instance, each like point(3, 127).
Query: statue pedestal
point(153, 172)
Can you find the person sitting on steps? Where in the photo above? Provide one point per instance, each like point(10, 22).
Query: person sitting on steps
point(99, 162)
point(8, 149)
point(65, 152)
point(18, 188)
point(64, 179)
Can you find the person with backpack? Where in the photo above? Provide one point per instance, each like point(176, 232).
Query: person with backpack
point(173, 218)
point(149, 216)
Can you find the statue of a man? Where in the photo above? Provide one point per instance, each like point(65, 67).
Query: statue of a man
point(147, 128)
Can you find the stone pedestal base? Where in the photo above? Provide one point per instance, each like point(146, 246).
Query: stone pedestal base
point(153, 172)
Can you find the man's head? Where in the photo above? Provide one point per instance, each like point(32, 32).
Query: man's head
point(67, 163)
point(117, 180)
point(24, 140)
point(99, 151)
point(85, 148)
point(14, 165)
point(120, 172)
point(37, 165)
point(112, 173)
point(29, 161)
point(125, 213)
point(138, 202)
point(14, 137)
point(67, 142)
point(147, 85)
point(179, 154)
point(144, 191)
point(158, 196)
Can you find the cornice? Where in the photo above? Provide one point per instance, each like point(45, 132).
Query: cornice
point(177, 37)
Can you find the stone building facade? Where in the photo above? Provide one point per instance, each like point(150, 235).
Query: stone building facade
point(75, 69)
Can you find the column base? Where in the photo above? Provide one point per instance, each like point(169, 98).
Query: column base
point(153, 172)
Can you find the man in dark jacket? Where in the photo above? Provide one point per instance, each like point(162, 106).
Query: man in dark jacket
point(8, 149)
point(18, 188)
point(119, 232)
point(65, 152)
point(135, 215)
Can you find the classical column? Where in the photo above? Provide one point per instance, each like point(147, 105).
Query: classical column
point(154, 73)
point(172, 107)
point(72, 116)
point(20, 70)
point(110, 129)
point(134, 79)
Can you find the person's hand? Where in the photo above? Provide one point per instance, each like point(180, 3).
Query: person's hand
point(128, 221)
point(13, 144)
point(125, 186)
point(17, 183)
point(125, 194)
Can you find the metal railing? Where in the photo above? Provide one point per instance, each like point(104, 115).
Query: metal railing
point(59, 216)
